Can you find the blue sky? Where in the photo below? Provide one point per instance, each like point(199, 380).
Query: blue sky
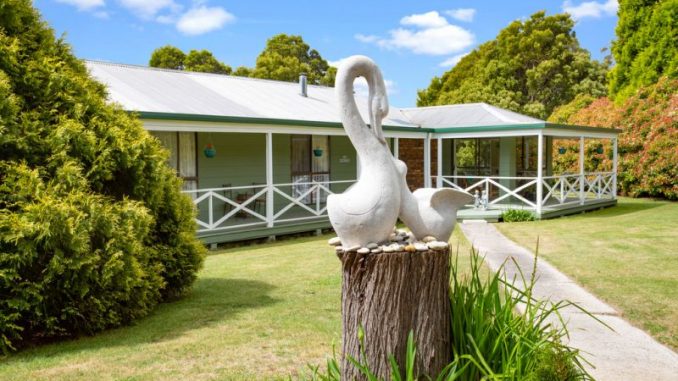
point(412, 41)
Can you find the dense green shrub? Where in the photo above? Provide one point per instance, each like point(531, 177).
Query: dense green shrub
point(93, 228)
point(645, 48)
point(517, 215)
point(490, 339)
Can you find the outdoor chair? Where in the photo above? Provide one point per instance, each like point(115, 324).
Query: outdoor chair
point(228, 193)
point(259, 204)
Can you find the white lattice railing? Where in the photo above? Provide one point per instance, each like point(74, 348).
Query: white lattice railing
point(522, 191)
point(496, 187)
point(229, 208)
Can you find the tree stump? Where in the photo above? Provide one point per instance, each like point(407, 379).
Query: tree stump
point(389, 295)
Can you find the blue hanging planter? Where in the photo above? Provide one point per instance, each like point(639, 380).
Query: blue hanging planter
point(209, 151)
point(317, 152)
point(562, 150)
point(599, 149)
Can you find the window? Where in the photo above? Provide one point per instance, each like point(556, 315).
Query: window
point(476, 157)
point(183, 155)
point(526, 156)
point(310, 160)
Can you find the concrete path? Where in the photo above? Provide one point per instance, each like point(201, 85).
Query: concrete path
point(627, 353)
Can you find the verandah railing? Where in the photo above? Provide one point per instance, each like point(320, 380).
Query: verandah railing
point(559, 190)
point(258, 205)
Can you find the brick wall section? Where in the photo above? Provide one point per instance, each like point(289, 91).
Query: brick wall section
point(411, 151)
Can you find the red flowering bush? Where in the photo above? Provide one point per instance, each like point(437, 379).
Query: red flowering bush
point(648, 144)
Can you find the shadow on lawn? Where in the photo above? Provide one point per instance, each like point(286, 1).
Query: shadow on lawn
point(633, 206)
point(212, 301)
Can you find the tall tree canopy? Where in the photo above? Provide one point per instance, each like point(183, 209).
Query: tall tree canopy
point(205, 62)
point(168, 57)
point(94, 230)
point(532, 67)
point(285, 57)
point(646, 47)
point(171, 57)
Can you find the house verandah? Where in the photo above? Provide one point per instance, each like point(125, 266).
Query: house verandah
point(512, 167)
point(259, 157)
point(253, 180)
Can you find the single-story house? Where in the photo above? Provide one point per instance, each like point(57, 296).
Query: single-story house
point(259, 157)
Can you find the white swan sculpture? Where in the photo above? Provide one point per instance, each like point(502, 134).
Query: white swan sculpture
point(367, 211)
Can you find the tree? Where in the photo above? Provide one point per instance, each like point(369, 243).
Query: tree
point(532, 67)
point(171, 57)
point(168, 57)
point(94, 230)
point(646, 46)
point(203, 61)
point(286, 57)
point(242, 71)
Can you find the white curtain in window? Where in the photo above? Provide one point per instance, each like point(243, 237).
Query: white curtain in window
point(187, 156)
point(169, 141)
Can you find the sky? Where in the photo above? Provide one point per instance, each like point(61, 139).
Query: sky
point(412, 41)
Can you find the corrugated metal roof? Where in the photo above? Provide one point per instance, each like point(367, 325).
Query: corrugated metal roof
point(138, 88)
point(465, 115)
point(144, 89)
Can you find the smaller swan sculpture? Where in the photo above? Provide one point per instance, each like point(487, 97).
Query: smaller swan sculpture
point(430, 211)
point(368, 210)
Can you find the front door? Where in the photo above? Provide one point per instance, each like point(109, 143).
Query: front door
point(310, 163)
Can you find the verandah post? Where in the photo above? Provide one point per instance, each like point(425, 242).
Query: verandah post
point(582, 178)
point(614, 168)
point(269, 179)
point(427, 160)
point(439, 162)
point(540, 174)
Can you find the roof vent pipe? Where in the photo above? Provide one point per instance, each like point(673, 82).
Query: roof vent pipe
point(303, 84)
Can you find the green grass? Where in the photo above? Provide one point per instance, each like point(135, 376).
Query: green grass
point(627, 255)
point(256, 312)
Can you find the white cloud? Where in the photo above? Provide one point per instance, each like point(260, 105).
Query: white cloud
point(203, 19)
point(462, 14)
point(84, 5)
point(591, 9)
point(452, 61)
point(366, 38)
point(147, 9)
point(425, 20)
point(431, 34)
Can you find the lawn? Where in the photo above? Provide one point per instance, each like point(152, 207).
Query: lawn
point(627, 255)
point(255, 312)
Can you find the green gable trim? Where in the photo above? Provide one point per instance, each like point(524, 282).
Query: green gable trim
point(526, 126)
point(582, 128)
point(311, 123)
point(272, 121)
point(497, 127)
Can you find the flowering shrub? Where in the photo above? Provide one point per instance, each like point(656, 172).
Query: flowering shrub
point(648, 144)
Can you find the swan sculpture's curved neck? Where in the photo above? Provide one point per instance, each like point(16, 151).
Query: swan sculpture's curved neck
point(366, 139)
